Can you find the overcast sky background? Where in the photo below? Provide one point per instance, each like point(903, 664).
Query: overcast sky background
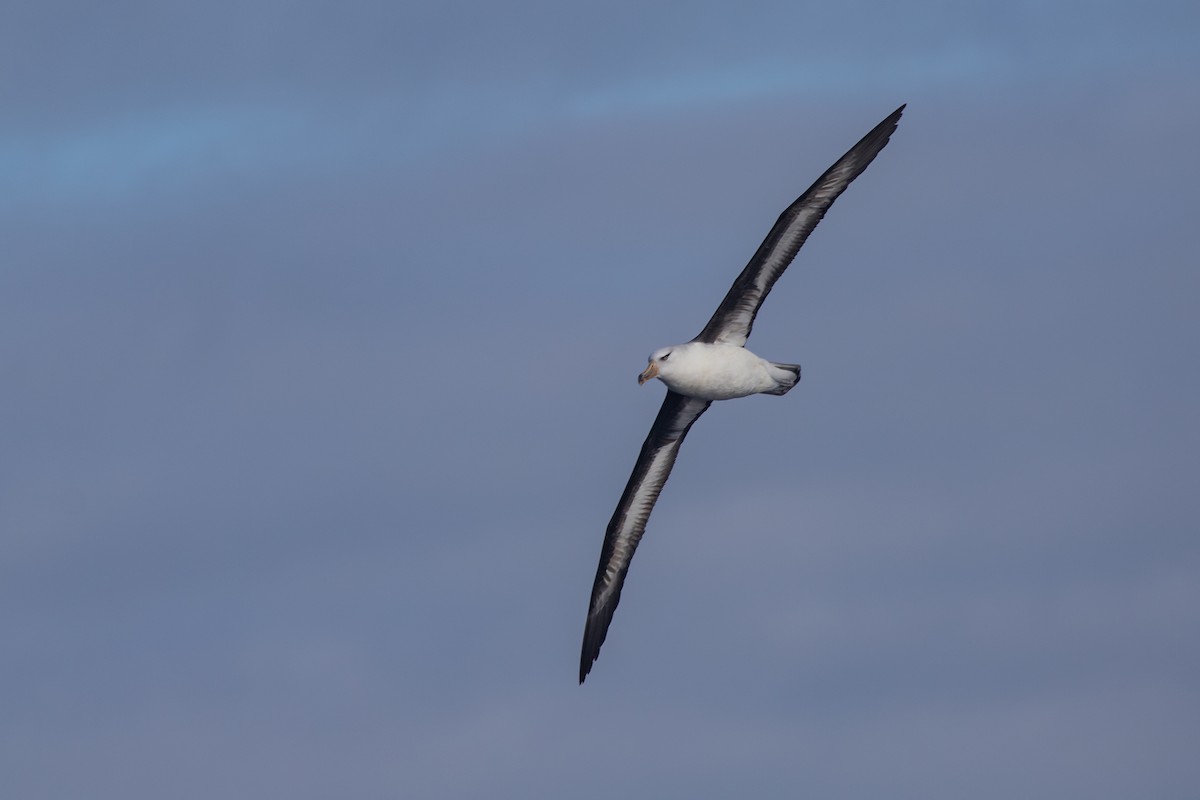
point(319, 325)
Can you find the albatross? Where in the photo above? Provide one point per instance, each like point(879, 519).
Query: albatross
point(713, 366)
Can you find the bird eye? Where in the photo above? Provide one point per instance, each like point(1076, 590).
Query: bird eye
point(666, 356)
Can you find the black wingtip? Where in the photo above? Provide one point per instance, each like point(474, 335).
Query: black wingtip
point(589, 651)
point(886, 127)
point(585, 660)
point(595, 631)
point(890, 122)
point(870, 145)
point(585, 663)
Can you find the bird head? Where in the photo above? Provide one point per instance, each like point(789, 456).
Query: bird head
point(658, 362)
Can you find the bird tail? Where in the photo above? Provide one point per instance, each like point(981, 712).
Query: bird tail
point(786, 376)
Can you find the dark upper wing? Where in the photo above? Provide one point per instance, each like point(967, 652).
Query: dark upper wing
point(629, 520)
point(735, 316)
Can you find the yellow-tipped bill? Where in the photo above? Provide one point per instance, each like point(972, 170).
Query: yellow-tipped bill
point(648, 373)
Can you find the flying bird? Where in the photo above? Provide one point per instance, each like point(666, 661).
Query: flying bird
point(713, 366)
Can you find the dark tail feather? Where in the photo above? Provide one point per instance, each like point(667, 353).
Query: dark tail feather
point(786, 382)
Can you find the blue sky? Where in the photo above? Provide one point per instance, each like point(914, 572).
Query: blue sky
point(319, 326)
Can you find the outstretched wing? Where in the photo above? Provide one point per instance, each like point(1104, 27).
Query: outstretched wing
point(628, 522)
point(735, 316)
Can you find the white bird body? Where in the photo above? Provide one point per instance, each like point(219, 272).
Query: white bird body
point(719, 371)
